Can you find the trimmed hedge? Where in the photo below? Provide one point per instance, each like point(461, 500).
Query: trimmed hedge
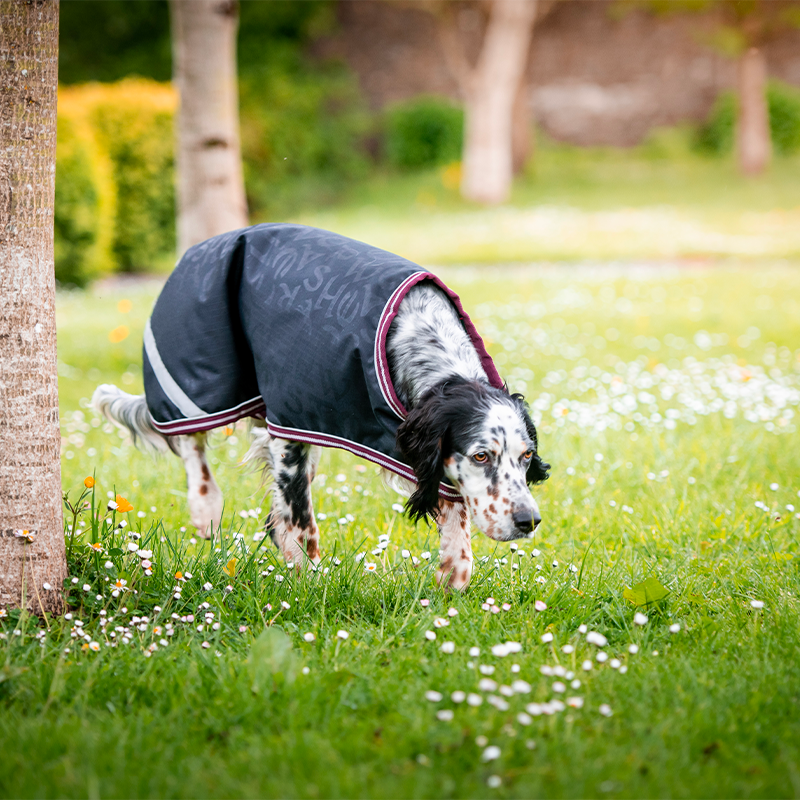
point(423, 132)
point(783, 102)
point(115, 196)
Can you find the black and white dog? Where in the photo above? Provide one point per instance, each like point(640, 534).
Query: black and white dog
point(326, 341)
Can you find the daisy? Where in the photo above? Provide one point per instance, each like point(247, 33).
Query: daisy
point(474, 700)
point(491, 753)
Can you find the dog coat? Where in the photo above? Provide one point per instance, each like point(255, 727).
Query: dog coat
point(288, 324)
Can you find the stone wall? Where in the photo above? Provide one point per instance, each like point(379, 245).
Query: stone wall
point(596, 76)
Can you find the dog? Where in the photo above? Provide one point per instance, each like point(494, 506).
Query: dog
point(326, 341)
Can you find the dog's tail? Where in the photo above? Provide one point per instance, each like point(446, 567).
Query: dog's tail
point(130, 411)
point(259, 452)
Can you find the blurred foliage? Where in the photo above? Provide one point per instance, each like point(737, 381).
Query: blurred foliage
point(85, 202)
point(107, 40)
point(303, 136)
point(423, 132)
point(306, 133)
point(305, 129)
point(114, 179)
point(717, 135)
point(784, 116)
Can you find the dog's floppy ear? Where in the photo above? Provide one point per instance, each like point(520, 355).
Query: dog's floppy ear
point(537, 471)
point(420, 438)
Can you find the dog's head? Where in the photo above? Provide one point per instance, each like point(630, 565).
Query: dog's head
point(485, 442)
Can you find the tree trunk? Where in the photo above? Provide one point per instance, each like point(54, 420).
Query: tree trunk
point(210, 194)
point(753, 143)
point(490, 95)
point(32, 566)
point(521, 133)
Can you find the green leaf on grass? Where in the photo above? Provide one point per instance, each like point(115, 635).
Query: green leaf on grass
point(645, 593)
point(272, 659)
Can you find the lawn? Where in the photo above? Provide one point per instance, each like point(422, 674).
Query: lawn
point(666, 401)
point(660, 201)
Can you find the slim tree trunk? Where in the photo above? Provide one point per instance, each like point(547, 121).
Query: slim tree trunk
point(210, 194)
point(32, 560)
point(490, 95)
point(753, 143)
point(521, 133)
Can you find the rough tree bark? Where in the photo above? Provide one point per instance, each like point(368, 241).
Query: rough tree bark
point(32, 559)
point(490, 89)
point(210, 194)
point(753, 140)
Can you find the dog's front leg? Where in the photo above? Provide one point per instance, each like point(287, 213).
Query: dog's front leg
point(455, 550)
point(291, 522)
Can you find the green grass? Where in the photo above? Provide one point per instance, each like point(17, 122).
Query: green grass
point(658, 201)
point(710, 711)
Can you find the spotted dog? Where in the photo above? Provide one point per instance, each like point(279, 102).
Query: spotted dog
point(323, 341)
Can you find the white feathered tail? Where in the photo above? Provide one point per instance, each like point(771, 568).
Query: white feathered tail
point(129, 411)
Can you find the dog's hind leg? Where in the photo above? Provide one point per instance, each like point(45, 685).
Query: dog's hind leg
point(130, 412)
point(455, 551)
point(291, 523)
point(204, 495)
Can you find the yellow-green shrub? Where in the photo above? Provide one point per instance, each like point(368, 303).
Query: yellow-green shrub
point(85, 204)
point(115, 197)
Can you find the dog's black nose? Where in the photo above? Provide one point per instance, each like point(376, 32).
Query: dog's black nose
point(525, 519)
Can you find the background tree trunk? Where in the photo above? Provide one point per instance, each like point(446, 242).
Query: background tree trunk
point(210, 194)
point(30, 470)
point(488, 161)
point(521, 127)
point(753, 142)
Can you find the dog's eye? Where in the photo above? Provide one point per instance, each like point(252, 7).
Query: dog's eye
point(480, 458)
point(527, 455)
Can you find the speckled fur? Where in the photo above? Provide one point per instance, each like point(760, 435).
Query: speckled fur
point(427, 345)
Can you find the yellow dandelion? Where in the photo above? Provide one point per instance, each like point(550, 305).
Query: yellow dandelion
point(89, 482)
point(230, 567)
